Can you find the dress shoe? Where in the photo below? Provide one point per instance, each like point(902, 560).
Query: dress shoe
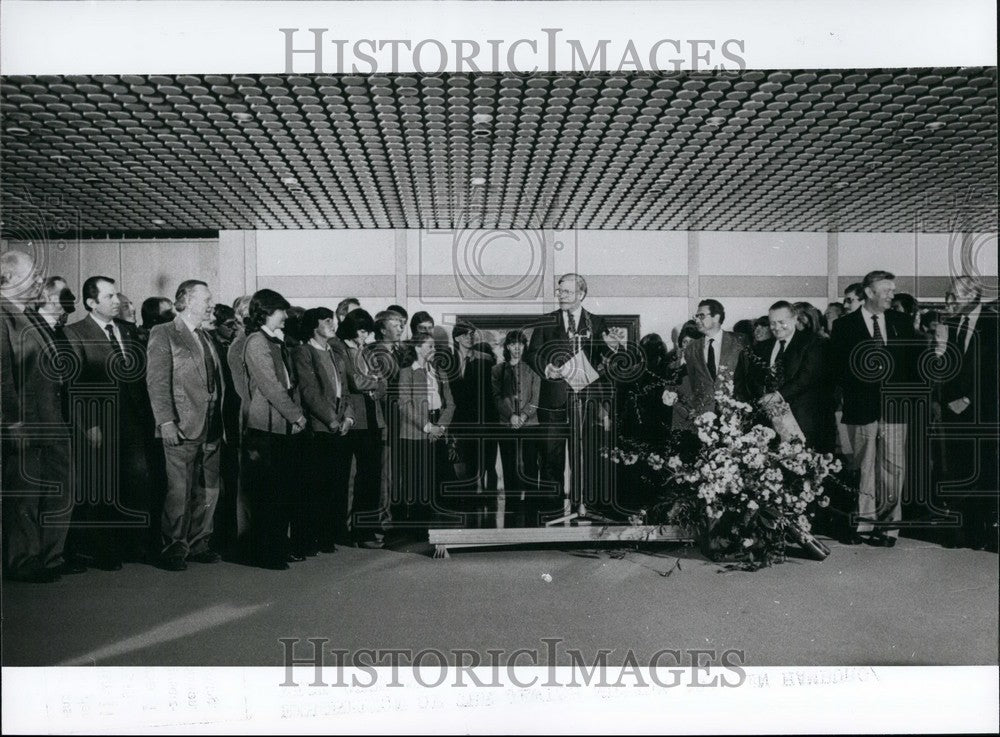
point(853, 539)
point(328, 548)
point(175, 563)
point(72, 566)
point(295, 558)
point(372, 544)
point(205, 556)
point(888, 542)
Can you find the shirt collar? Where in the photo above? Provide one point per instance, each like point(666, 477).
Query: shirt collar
point(101, 323)
point(319, 346)
point(276, 334)
point(868, 314)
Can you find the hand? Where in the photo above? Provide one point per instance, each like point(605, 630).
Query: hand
point(298, 426)
point(552, 373)
point(770, 398)
point(436, 432)
point(615, 338)
point(346, 425)
point(935, 412)
point(94, 436)
point(669, 397)
point(171, 434)
point(941, 333)
point(516, 422)
point(959, 406)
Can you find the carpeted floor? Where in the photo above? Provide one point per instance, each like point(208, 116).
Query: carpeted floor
point(916, 604)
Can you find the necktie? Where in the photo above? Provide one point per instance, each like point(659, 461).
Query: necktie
point(209, 361)
point(711, 359)
point(111, 336)
point(877, 330)
point(781, 352)
point(572, 323)
point(963, 333)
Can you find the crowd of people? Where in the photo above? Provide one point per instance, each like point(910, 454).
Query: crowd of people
point(267, 433)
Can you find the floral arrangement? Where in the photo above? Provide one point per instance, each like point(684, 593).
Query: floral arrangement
point(744, 490)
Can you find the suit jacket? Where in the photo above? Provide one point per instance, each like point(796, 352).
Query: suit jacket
point(271, 406)
point(518, 383)
point(976, 378)
point(473, 390)
point(550, 343)
point(237, 370)
point(177, 379)
point(363, 383)
point(318, 393)
point(101, 367)
point(860, 370)
point(413, 403)
point(34, 380)
point(801, 379)
point(697, 390)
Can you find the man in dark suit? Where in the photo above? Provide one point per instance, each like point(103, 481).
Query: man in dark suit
point(969, 406)
point(186, 390)
point(469, 374)
point(111, 411)
point(580, 417)
point(711, 361)
point(38, 498)
point(790, 366)
point(874, 356)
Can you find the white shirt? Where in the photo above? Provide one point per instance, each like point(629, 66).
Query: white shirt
point(880, 317)
point(102, 324)
point(201, 348)
point(717, 345)
point(577, 314)
point(973, 318)
point(433, 395)
point(279, 335)
point(777, 345)
point(52, 320)
point(325, 348)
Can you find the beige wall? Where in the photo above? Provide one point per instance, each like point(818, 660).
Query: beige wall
point(140, 268)
point(658, 275)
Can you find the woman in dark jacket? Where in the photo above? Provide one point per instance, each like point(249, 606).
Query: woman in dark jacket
point(272, 418)
point(516, 387)
point(366, 389)
point(426, 408)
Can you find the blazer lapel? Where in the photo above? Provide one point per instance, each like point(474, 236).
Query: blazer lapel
point(190, 341)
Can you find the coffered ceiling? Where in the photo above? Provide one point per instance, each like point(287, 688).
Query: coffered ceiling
point(860, 150)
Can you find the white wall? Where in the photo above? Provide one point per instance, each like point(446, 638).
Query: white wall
point(658, 275)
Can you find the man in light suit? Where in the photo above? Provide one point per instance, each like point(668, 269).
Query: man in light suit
point(111, 411)
point(557, 338)
point(184, 378)
point(874, 352)
point(710, 360)
point(38, 497)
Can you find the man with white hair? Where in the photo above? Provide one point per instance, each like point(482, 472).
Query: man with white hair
point(38, 500)
point(969, 404)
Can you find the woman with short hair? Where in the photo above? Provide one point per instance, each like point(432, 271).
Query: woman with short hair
point(516, 388)
point(426, 408)
point(365, 390)
point(272, 417)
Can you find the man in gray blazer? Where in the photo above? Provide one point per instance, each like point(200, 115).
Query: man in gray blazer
point(710, 360)
point(185, 384)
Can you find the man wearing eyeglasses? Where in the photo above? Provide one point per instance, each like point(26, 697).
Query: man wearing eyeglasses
point(562, 335)
point(711, 360)
point(790, 367)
